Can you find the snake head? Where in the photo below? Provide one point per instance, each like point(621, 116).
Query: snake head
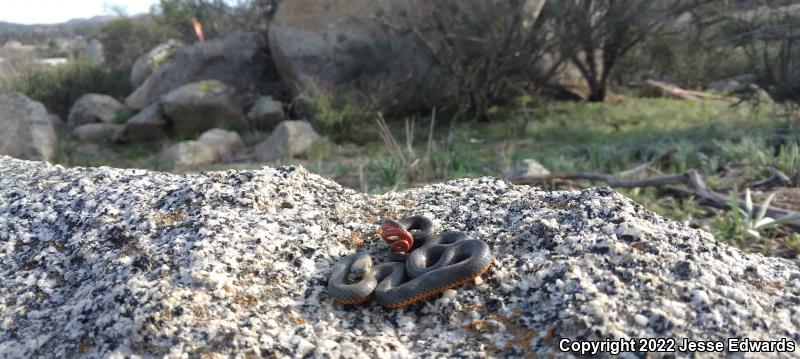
point(399, 239)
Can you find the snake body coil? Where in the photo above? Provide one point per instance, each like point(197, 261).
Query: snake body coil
point(431, 267)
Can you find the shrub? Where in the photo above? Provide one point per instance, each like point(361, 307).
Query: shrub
point(340, 116)
point(124, 39)
point(59, 87)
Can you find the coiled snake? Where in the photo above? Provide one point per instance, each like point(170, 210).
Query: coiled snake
point(422, 266)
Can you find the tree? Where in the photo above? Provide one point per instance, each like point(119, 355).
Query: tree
point(594, 35)
point(493, 49)
point(769, 35)
point(217, 17)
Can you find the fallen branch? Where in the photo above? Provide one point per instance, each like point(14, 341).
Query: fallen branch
point(694, 182)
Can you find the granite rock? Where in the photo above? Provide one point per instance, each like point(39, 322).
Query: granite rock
point(103, 262)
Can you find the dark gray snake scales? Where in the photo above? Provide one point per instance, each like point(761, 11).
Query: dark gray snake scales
point(425, 266)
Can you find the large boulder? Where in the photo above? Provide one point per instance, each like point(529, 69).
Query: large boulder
point(265, 114)
point(381, 48)
point(200, 106)
point(27, 131)
point(93, 108)
point(215, 145)
point(240, 60)
point(149, 62)
point(290, 138)
point(146, 126)
point(127, 262)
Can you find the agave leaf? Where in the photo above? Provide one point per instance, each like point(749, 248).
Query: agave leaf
point(763, 210)
point(753, 233)
point(748, 202)
point(761, 223)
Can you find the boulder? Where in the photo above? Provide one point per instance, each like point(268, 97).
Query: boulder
point(146, 126)
point(149, 62)
point(60, 126)
point(96, 131)
point(215, 145)
point(239, 60)
point(200, 106)
point(27, 131)
point(290, 138)
point(128, 262)
point(93, 108)
point(265, 114)
point(367, 45)
point(527, 168)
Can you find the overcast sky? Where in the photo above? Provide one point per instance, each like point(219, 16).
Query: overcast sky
point(55, 11)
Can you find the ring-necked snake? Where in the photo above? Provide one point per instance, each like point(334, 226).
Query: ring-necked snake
point(422, 267)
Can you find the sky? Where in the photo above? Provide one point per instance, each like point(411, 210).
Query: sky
point(55, 11)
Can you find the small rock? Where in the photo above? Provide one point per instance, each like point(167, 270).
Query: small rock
point(265, 114)
point(93, 108)
point(147, 125)
point(290, 138)
point(528, 168)
point(96, 131)
point(213, 146)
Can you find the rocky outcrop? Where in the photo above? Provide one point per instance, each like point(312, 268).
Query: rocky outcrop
point(96, 131)
point(27, 132)
point(138, 263)
point(238, 60)
point(146, 126)
point(265, 114)
point(200, 106)
point(369, 45)
point(290, 138)
point(93, 108)
point(150, 61)
point(213, 146)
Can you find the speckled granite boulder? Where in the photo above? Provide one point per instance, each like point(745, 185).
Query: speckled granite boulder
point(107, 262)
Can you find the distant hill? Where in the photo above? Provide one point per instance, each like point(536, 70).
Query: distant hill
point(39, 33)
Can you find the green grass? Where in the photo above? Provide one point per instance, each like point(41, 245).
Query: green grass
point(59, 87)
point(708, 136)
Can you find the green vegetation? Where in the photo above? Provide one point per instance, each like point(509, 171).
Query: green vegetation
point(731, 146)
point(58, 87)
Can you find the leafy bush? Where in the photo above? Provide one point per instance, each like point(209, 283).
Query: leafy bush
point(338, 115)
point(59, 87)
point(124, 39)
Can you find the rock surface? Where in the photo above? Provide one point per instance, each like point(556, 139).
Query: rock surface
point(26, 130)
point(290, 138)
point(239, 60)
point(96, 131)
point(147, 125)
point(200, 106)
point(137, 263)
point(149, 62)
point(527, 168)
point(213, 146)
point(93, 108)
point(265, 114)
